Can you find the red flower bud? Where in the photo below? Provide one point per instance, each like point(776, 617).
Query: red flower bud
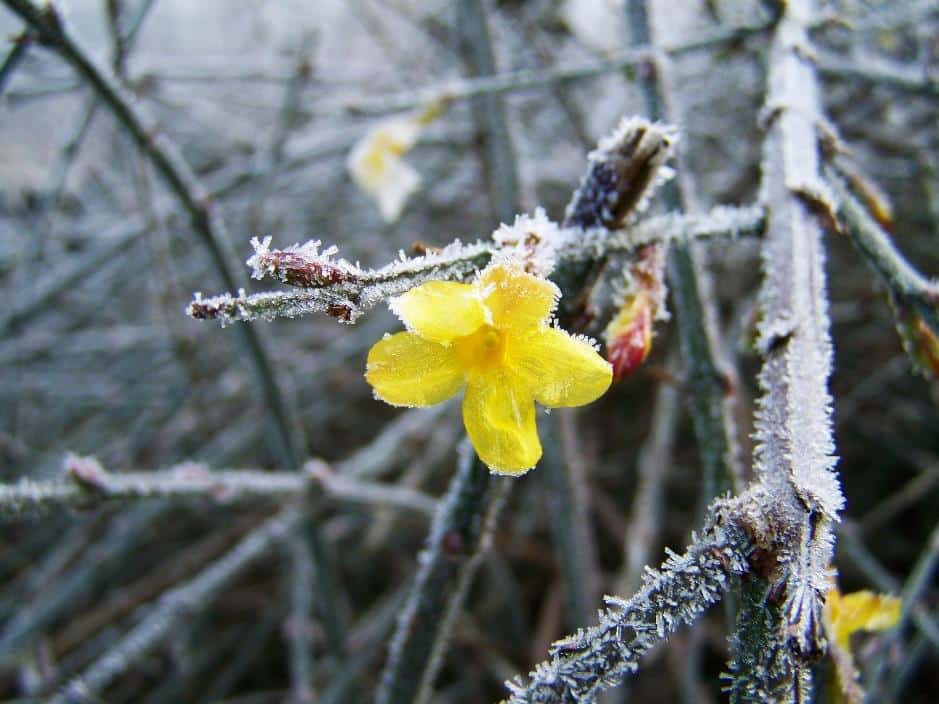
point(629, 335)
point(926, 346)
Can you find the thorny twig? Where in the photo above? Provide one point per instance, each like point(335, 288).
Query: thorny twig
point(596, 658)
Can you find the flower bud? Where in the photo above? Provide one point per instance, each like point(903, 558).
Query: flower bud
point(925, 346)
point(629, 335)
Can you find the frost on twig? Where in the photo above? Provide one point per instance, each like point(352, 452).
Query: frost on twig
point(596, 658)
point(907, 285)
point(794, 454)
point(302, 265)
point(346, 291)
point(87, 484)
point(342, 290)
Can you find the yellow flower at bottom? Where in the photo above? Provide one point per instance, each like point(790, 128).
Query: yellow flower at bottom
point(492, 338)
point(843, 616)
point(846, 614)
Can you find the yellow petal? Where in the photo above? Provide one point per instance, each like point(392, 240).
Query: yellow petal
point(559, 369)
point(440, 310)
point(376, 165)
point(406, 370)
point(515, 298)
point(860, 611)
point(500, 418)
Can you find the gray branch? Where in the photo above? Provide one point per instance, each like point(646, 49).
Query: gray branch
point(207, 223)
point(794, 455)
point(458, 537)
point(346, 291)
point(594, 659)
point(88, 484)
point(908, 287)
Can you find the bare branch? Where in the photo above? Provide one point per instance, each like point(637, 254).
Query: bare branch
point(794, 459)
point(596, 658)
point(458, 537)
point(88, 484)
point(168, 162)
point(908, 287)
point(346, 291)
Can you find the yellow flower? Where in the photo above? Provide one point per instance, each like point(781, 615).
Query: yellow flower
point(491, 337)
point(377, 167)
point(846, 614)
point(376, 162)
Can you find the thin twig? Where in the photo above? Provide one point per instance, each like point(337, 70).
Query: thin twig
point(597, 658)
point(124, 535)
point(88, 485)
point(653, 463)
point(190, 596)
point(299, 626)
point(458, 535)
point(868, 565)
point(711, 399)
point(13, 59)
point(489, 112)
point(566, 499)
point(532, 79)
point(908, 286)
point(346, 291)
point(876, 70)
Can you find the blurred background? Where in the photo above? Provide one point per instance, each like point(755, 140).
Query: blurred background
point(265, 101)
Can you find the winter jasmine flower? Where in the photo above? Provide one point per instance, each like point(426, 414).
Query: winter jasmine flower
point(492, 338)
point(376, 162)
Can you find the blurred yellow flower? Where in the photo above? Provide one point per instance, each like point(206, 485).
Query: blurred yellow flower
point(377, 167)
point(493, 338)
point(376, 162)
point(845, 614)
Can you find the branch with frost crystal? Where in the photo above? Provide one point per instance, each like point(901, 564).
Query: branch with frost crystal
point(794, 456)
point(88, 484)
point(600, 657)
point(340, 289)
point(346, 291)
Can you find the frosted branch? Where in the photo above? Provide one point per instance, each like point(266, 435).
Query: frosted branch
point(88, 484)
point(346, 291)
point(596, 658)
point(794, 460)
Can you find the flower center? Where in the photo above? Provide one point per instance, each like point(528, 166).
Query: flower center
point(483, 349)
